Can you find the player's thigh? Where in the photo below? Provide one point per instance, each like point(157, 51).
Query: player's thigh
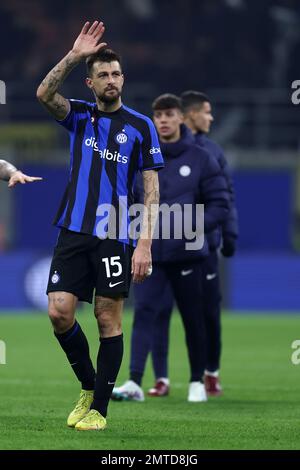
point(70, 270)
point(111, 262)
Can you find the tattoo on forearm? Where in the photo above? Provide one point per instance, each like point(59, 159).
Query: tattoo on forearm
point(57, 75)
point(151, 188)
point(6, 170)
point(47, 91)
point(151, 202)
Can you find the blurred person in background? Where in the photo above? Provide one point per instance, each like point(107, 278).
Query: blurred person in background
point(109, 144)
point(198, 117)
point(191, 176)
point(9, 172)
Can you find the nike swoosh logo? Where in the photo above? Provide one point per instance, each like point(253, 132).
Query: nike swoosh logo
point(111, 383)
point(186, 273)
point(209, 277)
point(115, 284)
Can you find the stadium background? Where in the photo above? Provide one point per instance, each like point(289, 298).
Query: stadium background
point(244, 54)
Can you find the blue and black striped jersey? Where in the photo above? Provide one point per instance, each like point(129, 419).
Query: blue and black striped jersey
point(107, 150)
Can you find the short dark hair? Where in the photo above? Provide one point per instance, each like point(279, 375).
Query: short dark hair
point(104, 55)
point(193, 98)
point(167, 101)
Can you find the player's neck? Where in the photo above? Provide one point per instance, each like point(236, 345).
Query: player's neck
point(109, 107)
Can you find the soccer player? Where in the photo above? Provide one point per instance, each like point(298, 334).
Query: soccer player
point(109, 143)
point(190, 176)
point(198, 117)
point(9, 172)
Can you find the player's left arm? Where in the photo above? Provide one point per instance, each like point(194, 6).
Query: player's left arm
point(141, 259)
point(230, 229)
point(214, 192)
point(9, 172)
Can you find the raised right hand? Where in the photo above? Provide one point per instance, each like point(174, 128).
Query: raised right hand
point(87, 42)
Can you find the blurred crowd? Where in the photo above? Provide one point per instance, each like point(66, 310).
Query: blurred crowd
point(218, 43)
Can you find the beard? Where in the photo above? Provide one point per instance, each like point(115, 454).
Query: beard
point(109, 99)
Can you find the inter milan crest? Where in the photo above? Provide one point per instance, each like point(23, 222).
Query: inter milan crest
point(121, 138)
point(55, 278)
point(185, 170)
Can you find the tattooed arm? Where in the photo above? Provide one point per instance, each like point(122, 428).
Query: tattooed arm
point(141, 259)
point(6, 170)
point(151, 201)
point(85, 45)
point(47, 94)
point(9, 173)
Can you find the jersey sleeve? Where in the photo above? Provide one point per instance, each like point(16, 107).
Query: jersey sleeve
point(77, 107)
point(150, 156)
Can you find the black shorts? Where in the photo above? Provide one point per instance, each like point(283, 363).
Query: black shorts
point(82, 263)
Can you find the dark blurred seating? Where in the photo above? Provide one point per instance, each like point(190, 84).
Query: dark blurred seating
point(167, 46)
